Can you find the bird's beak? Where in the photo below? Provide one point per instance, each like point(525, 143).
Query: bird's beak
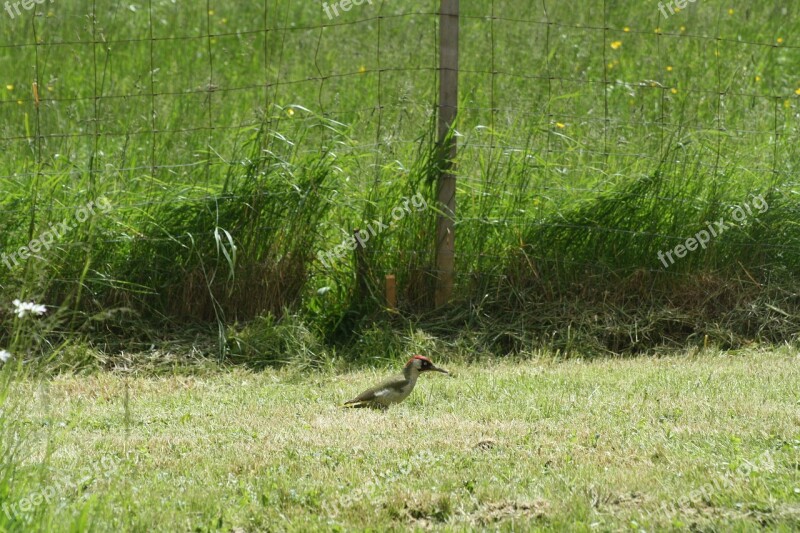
point(442, 370)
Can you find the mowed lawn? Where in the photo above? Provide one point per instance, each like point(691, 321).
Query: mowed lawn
point(709, 441)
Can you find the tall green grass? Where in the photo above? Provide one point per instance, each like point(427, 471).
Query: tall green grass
point(236, 143)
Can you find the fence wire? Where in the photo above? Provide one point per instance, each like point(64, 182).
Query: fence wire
point(146, 94)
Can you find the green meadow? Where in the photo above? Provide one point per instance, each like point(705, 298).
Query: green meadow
point(624, 321)
point(703, 442)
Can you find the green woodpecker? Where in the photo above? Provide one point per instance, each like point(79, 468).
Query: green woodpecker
point(397, 388)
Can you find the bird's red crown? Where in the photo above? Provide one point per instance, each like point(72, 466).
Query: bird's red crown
point(420, 357)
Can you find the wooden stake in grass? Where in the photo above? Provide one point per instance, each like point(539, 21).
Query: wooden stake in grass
point(35, 87)
point(391, 292)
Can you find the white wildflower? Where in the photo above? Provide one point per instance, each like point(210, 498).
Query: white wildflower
point(24, 308)
point(4, 356)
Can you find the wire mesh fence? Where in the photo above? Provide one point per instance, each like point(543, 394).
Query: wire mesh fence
point(588, 135)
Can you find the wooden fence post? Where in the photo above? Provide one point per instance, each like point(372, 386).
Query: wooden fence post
point(448, 108)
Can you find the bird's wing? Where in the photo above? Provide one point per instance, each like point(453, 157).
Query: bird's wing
point(394, 384)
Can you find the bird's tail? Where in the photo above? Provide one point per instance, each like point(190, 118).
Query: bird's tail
point(353, 405)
